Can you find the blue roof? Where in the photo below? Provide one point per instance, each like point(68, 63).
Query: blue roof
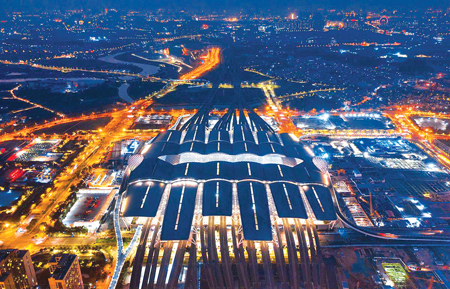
point(259, 229)
point(308, 174)
point(170, 148)
point(266, 137)
point(242, 133)
point(154, 150)
point(161, 148)
point(248, 170)
point(321, 202)
point(301, 151)
point(142, 199)
point(168, 136)
point(196, 133)
point(178, 227)
point(287, 139)
point(292, 151)
point(152, 169)
point(222, 170)
point(272, 173)
point(192, 146)
point(168, 160)
point(187, 171)
point(219, 146)
point(245, 147)
point(161, 171)
point(217, 198)
point(219, 135)
point(270, 148)
point(143, 169)
point(288, 200)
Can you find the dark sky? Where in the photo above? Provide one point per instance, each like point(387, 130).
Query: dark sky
point(215, 5)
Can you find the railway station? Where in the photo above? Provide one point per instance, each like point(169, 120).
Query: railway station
point(235, 196)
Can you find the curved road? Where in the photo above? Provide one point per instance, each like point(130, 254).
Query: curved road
point(378, 235)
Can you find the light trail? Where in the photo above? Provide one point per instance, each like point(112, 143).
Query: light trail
point(288, 97)
point(71, 69)
point(91, 155)
point(171, 60)
point(53, 123)
point(259, 73)
point(33, 103)
point(23, 109)
point(211, 61)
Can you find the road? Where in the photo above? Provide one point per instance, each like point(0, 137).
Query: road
point(212, 60)
point(14, 96)
point(71, 69)
point(92, 154)
point(399, 236)
point(99, 142)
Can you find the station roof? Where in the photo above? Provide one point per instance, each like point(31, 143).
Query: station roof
point(168, 136)
point(142, 199)
point(283, 165)
point(267, 137)
point(319, 198)
point(275, 172)
point(152, 169)
point(287, 139)
point(217, 198)
point(288, 200)
point(248, 170)
point(179, 213)
point(187, 171)
point(270, 148)
point(161, 171)
point(192, 146)
point(219, 146)
point(161, 148)
point(196, 133)
point(254, 208)
point(219, 135)
point(222, 170)
point(245, 147)
point(308, 174)
point(292, 151)
point(298, 150)
point(242, 133)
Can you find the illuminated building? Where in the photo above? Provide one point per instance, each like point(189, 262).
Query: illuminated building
point(243, 199)
point(19, 266)
point(65, 272)
point(7, 281)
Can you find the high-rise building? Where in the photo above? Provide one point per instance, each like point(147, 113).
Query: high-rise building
point(7, 281)
point(65, 272)
point(19, 266)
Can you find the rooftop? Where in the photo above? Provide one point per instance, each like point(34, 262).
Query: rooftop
point(60, 265)
point(240, 158)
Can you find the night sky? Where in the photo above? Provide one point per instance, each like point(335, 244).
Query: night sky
point(215, 5)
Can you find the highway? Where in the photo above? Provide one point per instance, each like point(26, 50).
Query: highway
point(14, 96)
point(71, 69)
point(122, 254)
point(212, 60)
point(295, 252)
point(99, 142)
point(92, 154)
point(28, 130)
